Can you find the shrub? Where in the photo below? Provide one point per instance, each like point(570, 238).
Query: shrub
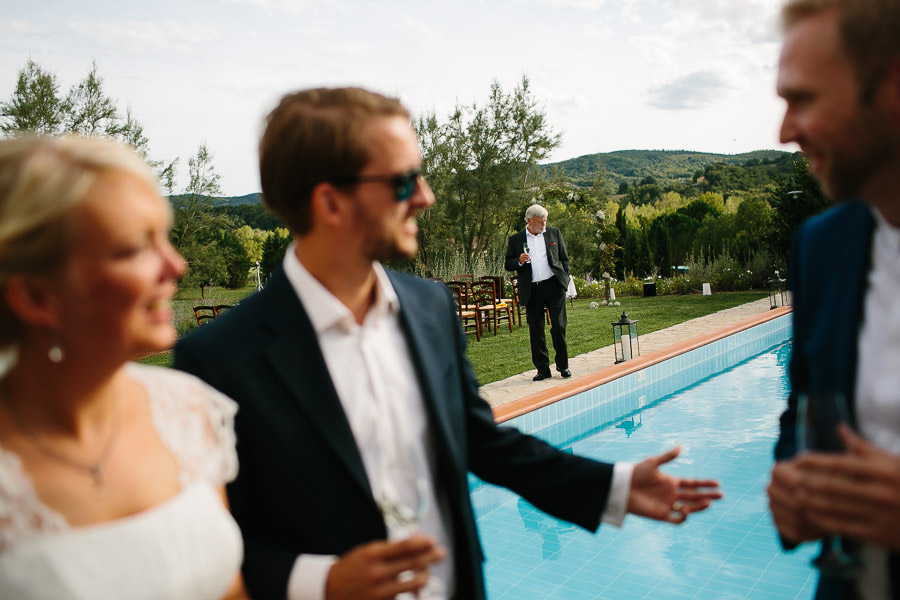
point(593, 289)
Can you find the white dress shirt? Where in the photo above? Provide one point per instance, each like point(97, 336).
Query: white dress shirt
point(372, 371)
point(878, 374)
point(537, 250)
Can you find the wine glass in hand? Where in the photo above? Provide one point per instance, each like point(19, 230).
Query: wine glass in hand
point(818, 417)
point(525, 250)
point(404, 521)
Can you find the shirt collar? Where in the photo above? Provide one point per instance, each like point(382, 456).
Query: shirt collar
point(324, 310)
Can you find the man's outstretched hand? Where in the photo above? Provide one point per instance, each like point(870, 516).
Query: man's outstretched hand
point(656, 495)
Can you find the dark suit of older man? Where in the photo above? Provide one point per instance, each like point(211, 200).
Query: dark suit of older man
point(549, 294)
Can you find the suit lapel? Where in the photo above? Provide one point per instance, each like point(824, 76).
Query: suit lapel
point(859, 258)
point(297, 358)
point(425, 339)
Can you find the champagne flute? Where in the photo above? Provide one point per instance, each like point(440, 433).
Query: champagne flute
point(403, 521)
point(525, 250)
point(818, 417)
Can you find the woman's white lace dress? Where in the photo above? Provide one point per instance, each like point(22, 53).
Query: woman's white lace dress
point(188, 547)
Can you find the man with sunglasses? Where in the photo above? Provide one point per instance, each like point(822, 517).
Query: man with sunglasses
point(359, 413)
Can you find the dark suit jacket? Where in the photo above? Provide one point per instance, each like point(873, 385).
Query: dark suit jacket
point(829, 266)
point(556, 256)
point(302, 487)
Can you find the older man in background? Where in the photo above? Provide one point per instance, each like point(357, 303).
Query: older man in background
point(538, 255)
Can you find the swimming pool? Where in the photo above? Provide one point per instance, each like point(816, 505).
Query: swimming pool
point(727, 426)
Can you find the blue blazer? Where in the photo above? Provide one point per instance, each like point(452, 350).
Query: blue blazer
point(829, 266)
point(302, 487)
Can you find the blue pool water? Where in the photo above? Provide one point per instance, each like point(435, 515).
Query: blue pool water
point(726, 425)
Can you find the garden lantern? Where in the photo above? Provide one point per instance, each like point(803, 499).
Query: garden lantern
point(776, 290)
point(625, 339)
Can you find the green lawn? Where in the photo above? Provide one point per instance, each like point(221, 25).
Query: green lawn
point(495, 358)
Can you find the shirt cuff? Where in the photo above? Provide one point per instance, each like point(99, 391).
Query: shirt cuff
point(617, 501)
point(308, 577)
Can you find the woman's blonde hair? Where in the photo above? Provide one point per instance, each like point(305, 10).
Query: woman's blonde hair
point(41, 180)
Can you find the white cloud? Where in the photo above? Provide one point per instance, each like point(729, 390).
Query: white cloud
point(690, 92)
point(293, 7)
point(735, 23)
point(20, 28)
point(582, 4)
point(148, 37)
point(419, 30)
point(565, 103)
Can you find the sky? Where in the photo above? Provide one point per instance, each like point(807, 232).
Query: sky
point(610, 74)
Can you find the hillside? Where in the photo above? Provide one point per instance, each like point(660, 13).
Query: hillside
point(631, 166)
point(665, 166)
point(239, 200)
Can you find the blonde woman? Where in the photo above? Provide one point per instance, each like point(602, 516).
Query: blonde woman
point(111, 473)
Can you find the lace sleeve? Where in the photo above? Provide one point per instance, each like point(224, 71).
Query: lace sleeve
point(195, 421)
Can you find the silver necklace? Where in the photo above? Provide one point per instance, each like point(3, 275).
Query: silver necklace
point(94, 469)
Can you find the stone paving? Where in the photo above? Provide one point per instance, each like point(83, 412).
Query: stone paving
point(521, 385)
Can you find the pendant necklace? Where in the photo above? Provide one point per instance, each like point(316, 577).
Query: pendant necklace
point(92, 469)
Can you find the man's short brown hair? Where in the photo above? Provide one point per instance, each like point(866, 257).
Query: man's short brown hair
point(314, 136)
point(870, 33)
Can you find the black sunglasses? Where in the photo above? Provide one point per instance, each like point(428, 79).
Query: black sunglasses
point(404, 184)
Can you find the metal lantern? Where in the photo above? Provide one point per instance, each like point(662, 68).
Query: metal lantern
point(777, 291)
point(625, 339)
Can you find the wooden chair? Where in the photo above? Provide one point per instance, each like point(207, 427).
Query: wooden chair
point(514, 279)
point(220, 308)
point(468, 302)
point(468, 318)
point(498, 289)
point(490, 311)
point(204, 314)
point(465, 277)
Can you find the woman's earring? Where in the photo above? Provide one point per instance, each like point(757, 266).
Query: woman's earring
point(56, 353)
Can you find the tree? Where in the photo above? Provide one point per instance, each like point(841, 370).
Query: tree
point(192, 208)
point(794, 199)
point(252, 241)
point(91, 112)
point(197, 227)
point(253, 215)
point(35, 105)
point(481, 164)
point(234, 258)
point(273, 251)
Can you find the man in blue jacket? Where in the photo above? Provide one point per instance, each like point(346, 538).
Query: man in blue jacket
point(839, 73)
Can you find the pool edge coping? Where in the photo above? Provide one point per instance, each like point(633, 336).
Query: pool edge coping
point(538, 400)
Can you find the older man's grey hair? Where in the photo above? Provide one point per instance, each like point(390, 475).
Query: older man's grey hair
point(536, 210)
